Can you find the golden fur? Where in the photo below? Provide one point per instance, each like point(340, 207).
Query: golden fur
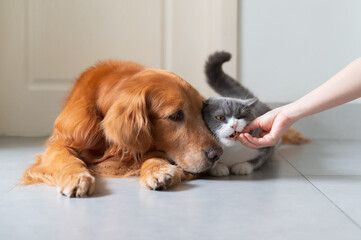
point(115, 123)
point(292, 136)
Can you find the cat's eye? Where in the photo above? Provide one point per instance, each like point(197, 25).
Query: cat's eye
point(177, 117)
point(240, 116)
point(221, 118)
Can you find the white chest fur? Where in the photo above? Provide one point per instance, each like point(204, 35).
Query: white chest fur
point(236, 154)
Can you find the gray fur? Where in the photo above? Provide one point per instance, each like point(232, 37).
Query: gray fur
point(225, 85)
point(233, 104)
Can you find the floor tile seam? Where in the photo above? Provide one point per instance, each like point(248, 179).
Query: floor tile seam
point(6, 192)
point(315, 175)
point(333, 140)
point(332, 175)
point(11, 188)
point(320, 191)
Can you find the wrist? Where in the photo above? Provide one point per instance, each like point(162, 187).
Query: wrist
point(291, 112)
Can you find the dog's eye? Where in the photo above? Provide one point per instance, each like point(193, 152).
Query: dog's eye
point(178, 116)
point(221, 118)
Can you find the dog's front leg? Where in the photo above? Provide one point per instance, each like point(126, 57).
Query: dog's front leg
point(59, 167)
point(159, 174)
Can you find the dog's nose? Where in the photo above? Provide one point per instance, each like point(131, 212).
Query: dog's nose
point(214, 153)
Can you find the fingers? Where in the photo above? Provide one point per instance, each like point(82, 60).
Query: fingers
point(246, 142)
point(262, 134)
point(257, 142)
point(253, 125)
point(272, 125)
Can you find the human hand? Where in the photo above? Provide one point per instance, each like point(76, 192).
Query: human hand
point(345, 86)
point(273, 124)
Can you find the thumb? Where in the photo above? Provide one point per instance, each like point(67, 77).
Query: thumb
point(253, 125)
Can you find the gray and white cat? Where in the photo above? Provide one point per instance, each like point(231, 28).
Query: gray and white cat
point(227, 116)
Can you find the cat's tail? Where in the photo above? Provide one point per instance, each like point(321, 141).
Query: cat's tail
point(220, 81)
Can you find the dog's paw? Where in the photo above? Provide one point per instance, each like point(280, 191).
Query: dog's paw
point(159, 179)
point(77, 185)
point(242, 168)
point(220, 170)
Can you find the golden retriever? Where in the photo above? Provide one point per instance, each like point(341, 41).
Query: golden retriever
point(122, 119)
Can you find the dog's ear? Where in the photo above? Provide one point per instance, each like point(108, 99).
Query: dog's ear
point(127, 124)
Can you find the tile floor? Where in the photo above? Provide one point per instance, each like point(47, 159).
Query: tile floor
point(306, 192)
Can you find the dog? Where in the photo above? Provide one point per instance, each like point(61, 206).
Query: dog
point(123, 119)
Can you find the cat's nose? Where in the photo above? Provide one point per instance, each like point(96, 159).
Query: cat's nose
point(234, 126)
point(214, 153)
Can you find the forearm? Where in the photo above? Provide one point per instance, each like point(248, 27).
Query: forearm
point(345, 86)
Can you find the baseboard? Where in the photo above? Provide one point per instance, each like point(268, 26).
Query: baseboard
point(31, 134)
point(340, 123)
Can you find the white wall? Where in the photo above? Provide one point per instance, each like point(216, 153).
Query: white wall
point(290, 47)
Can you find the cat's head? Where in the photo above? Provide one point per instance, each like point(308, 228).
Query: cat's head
point(226, 117)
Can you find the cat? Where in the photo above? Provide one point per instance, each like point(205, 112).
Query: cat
point(227, 116)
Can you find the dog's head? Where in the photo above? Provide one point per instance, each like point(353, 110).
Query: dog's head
point(157, 111)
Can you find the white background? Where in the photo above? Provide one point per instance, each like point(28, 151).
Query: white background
point(291, 47)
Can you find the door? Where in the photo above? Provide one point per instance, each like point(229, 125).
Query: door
point(45, 45)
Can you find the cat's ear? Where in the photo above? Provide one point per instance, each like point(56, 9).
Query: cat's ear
point(206, 103)
point(251, 101)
